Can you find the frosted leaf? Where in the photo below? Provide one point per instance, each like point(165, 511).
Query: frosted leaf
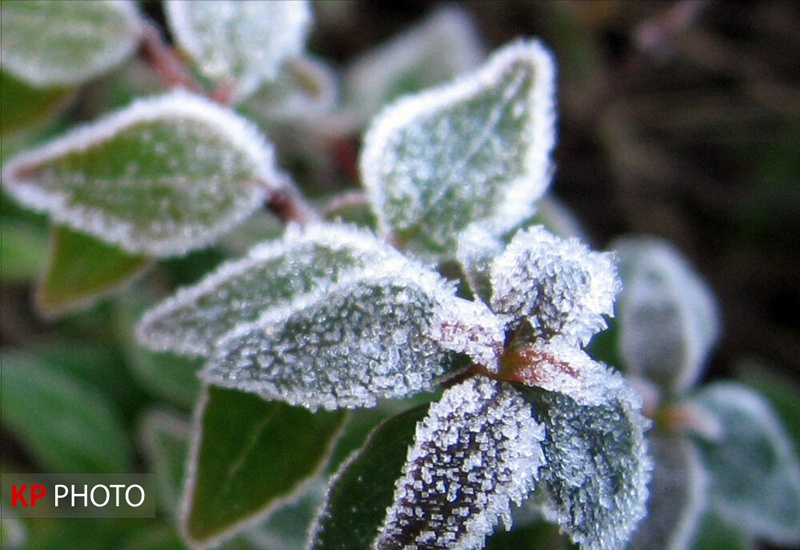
point(475, 251)
point(479, 148)
point(270, 276)
point(438, 49)
point(243, 42)
point(377, 336)
point(594, 480)
point(478, 450)
point(754, 472)
point(160, 177)
point(559, 286)
point(678, 495)
point(54, 43)
point(668, 315)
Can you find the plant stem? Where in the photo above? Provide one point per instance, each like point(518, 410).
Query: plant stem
point(167, 64)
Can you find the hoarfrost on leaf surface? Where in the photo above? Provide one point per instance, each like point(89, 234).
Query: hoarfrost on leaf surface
point(161, 177)
point(596, 470)
point(344, 348)
point(55, 43)
point(754, 471)
point(475, 251)
point(272, 275)
point(668, 315)
point(478, 450)
point(246, 42)
point(558, 286)
point(476, 149)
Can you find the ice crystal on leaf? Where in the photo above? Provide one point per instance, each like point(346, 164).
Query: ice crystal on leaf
point(243, 44)
point(476, 149)
point(559, 287)
point(272, 275)
point(594, 480)
point(478, 450)
point(161, 177)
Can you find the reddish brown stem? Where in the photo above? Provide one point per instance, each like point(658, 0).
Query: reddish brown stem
point(167, 64)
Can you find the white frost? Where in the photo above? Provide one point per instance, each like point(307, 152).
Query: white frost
point(477, 148)
point(478, 450)
point(557, 285)
point(57, 177)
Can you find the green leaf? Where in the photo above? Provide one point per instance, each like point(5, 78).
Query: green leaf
point(438, 49)
point(249, 456)
point(594, 480)
point(240, 44)
point(678, 495)
point(360, 492)
point(668, 315)
point(52, 43)
point(755, 474)
point(165, 440)
point(26, 108)
point(81, 270)
point(716, 533)
point(476, 149)
point(22, 249)
point(478, 449)
point(66, 425)
point(161, 177)
point(328, 317)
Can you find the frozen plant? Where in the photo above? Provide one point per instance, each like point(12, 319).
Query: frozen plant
point(720, 453)
point(329, 316)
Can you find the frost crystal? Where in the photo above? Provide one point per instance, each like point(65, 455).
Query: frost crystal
point(558, 286)
point(343, 349)
point(478, 450)
point(669, 319)
point(475, 251)
point(271, 276)
point(161, 177)
point(594, 480)
point(477, 149)
point(243, 41)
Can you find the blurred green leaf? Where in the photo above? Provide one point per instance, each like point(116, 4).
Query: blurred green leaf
point(163, 176)
point(717, 534)
point(668, 316)
point(249, 456)
point(476, 149)
point(23, 249)
point(80, 270)
point(755, 474)
point(51, 42)
point(239, 44)
point(362, 489)
point(781, 391)
point(12, 529)
point(66, 425)
point(26, 108)
point(165, 439)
